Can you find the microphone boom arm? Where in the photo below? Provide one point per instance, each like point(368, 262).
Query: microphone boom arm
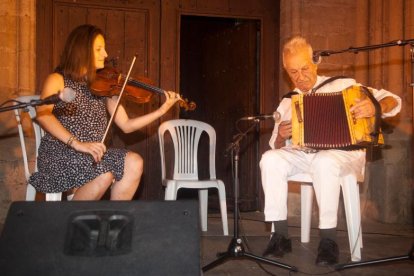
point(20, 105)
point(356, 50)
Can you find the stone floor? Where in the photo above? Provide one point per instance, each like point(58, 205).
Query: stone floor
point(380, 241)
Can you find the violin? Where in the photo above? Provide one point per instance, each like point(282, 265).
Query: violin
point(109, 82)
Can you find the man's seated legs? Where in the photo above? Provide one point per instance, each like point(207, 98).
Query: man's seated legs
point(276, 166)
point(327, 168)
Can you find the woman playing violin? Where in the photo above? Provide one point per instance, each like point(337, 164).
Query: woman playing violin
point(71, 155)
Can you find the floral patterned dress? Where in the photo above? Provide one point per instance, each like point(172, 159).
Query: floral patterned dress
point(60, 167)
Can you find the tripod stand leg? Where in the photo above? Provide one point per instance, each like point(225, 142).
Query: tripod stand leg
point(216, 262)
point(268, 261)
point(236, 249)
point(378, 261)
point(409, 256)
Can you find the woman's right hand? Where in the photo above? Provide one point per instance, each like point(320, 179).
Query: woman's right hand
point(96, 149)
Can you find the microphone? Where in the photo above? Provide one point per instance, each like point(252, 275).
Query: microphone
point(66, 95)
point(275, 116)
point(316, 57)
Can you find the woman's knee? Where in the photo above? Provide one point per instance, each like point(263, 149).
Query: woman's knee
point(106, 179)
point(134, 163)
point(94, 189)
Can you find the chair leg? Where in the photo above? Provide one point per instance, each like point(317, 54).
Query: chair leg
point(171, 191)
point(70, 197)
point(30, 193)
point(53, 196)
point(306, 193)
point(203, 201)
point(223, 207)
point(350, 193)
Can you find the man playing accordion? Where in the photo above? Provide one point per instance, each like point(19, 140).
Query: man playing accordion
point(326, 166)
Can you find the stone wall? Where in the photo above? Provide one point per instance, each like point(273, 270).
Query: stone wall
point(17, 77)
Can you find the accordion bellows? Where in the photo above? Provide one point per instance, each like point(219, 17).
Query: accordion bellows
point(323, 121)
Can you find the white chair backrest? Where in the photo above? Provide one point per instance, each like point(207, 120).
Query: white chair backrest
point(185, 135)
point(38, 131)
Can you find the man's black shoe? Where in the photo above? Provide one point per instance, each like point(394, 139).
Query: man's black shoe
point(278, 246)
point(328, 253)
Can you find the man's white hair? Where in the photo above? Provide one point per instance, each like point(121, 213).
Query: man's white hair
point(295, 45)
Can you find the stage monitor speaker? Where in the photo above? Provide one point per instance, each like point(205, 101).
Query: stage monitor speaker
point(101, 238)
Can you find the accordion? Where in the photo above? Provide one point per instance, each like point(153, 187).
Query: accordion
point(323, 121)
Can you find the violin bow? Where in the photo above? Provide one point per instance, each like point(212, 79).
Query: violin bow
point(119, 99)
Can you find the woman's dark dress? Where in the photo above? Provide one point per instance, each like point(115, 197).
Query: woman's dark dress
point(60, 167)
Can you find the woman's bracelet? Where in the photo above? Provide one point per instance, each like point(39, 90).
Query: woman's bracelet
point(70, 141)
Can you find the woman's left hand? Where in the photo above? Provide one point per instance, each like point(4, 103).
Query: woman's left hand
point(171, 99)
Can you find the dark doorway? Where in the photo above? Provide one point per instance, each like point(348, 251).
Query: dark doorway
point(219, 70)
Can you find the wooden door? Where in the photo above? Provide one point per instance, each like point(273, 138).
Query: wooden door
point(219, 70)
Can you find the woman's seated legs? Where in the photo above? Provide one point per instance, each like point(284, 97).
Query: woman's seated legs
point(125, 188)
point(95, 189)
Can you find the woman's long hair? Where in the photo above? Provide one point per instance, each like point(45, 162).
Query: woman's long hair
point(77, 60)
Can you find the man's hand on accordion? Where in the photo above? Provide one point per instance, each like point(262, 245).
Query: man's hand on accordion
point(362, 109)
point(284, 132)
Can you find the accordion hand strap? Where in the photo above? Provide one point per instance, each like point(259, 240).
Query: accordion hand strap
point(377, 122)
point(331, 79)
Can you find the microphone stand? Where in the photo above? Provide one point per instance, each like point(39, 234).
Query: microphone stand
point(412, 71)
point(356, 50)
point(236, 248)
point(21, 105)
point(410, 255)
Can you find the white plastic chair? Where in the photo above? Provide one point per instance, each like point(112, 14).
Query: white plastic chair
point(350, 192)
point(38, 131)
point(185, 135)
